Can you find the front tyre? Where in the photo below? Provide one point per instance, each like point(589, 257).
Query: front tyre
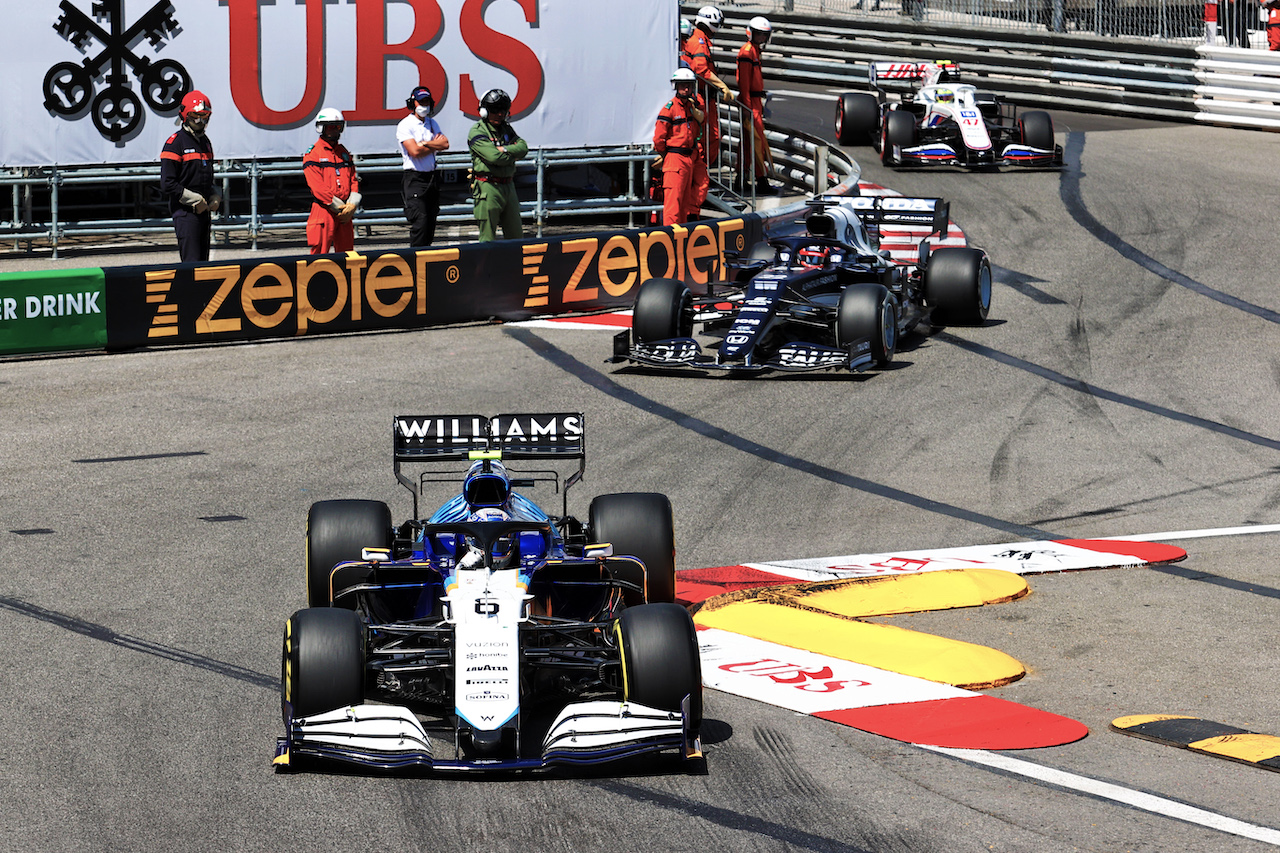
point(868, 312)
point(1036, 130)
point(957, 283)
point(338, 531)
point(857, 118)
point(322, 662)
point(660, 660)
point(639, 524)
point(663, 309)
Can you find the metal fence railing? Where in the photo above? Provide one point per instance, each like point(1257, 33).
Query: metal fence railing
point(1150, 19)
point(1078, 72)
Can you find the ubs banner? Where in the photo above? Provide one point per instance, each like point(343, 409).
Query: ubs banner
point(309, 294)
point(99, 81)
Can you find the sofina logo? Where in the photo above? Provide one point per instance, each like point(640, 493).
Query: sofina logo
point(116, 110)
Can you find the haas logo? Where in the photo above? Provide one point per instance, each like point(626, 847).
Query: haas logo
point(116, 110)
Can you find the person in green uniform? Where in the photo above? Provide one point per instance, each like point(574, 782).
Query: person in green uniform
point(495, 148)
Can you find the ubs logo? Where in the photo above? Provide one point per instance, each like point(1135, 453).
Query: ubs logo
point(116, 110)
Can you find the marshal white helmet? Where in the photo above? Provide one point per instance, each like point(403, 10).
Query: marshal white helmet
point(759, 24)
point(686, 28)
point(329, 115)
point(710, 16)
point(683, 75)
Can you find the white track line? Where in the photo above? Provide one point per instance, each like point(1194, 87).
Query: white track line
point(1118, 793)
point(1198, 534)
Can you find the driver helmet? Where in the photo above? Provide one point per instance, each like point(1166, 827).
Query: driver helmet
point(945, 96)
point(504, 547)
point(813, 257)
point(486, 485)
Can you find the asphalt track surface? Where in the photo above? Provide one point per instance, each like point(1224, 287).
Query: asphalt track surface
point(153, 507)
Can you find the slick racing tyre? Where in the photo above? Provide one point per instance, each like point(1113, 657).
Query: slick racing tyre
point(337, 531)
point(639, 524)
point(868, 312)
point(957, 283)
point(322, 663)
point(899, 132)
point(857, 118)
point(1036, 129)
point(663, 309)
point(660, 661)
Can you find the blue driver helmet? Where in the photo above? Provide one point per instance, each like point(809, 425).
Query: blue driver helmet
point(486, 485)
point(503, 549)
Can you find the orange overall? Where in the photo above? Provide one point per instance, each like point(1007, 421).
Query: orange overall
point(330, 173)
point(751, 92)
point(676, 136)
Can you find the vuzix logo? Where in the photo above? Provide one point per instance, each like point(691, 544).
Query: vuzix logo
point(820, 680)
point(116, 110)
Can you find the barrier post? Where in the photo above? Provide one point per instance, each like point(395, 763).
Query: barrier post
point(55, 181)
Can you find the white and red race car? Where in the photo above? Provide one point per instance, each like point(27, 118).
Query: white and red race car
point(942, 122)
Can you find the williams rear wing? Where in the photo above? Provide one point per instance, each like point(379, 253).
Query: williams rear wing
point(456, 438)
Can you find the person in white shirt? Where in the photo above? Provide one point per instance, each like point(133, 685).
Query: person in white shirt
point(420, 138)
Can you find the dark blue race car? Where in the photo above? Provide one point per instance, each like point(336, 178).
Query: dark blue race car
point(831, 298)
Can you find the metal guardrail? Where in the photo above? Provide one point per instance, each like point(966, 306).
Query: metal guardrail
point(1083, 73)
point(1238, 87)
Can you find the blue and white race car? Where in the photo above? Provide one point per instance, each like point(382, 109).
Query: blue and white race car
point(491, 635)
point(944, 122)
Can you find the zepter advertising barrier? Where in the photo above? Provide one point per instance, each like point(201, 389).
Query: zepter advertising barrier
point(363, 291)
point(99, 81)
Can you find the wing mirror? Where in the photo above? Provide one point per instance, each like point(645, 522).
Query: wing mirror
point(599, 551)
point(375, 555)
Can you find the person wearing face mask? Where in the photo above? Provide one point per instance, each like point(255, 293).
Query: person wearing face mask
point(331, 176)
point(420, 138)
point(186, 178)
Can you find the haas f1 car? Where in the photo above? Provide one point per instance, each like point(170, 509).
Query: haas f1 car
point(830, 298)
point(943, 122)
point(490, 635)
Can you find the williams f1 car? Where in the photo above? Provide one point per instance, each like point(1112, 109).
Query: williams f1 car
point(490, 635)
point(830, 298)
point(943, 122)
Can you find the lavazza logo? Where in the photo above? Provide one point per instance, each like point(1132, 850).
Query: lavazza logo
point(116, 110)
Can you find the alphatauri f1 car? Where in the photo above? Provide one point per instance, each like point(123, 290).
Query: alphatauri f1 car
point(490, 635)
point(830, 298)
point(943, 122)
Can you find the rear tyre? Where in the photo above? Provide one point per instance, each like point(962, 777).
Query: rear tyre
point(322, 664)
point(338, 531)
point(868, 312)
point(957, 283)
point(899, 132)
point(663, 309)
point(1036, 130)
point(639, 524)
point(660, 659)
point(857, 118)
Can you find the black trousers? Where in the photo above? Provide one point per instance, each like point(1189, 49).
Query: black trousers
point(421, 205)
point(193, 231)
